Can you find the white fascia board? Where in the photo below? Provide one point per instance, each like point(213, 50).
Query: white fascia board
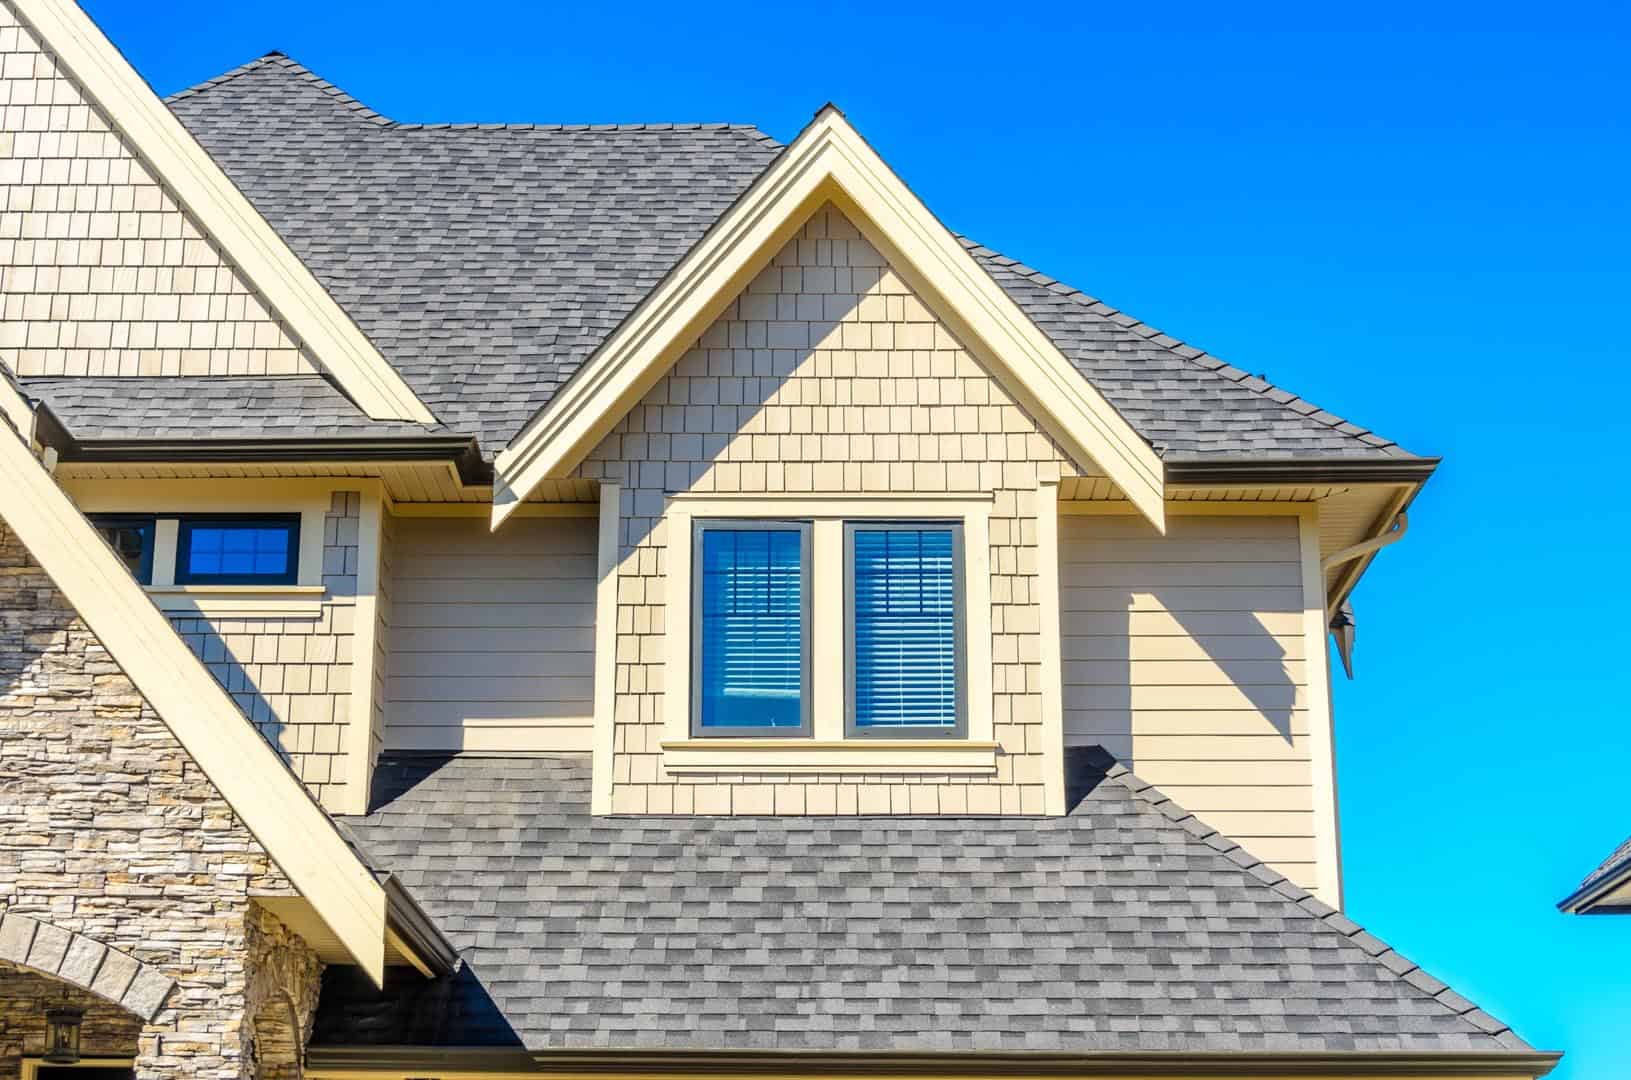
point(295, 832)
point(829, 161)
point(221, 210)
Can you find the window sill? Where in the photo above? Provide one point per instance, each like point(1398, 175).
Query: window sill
point(948, 757)
point(240, 601)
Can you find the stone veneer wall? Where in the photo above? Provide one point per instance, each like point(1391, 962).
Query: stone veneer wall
point(110, 830)
point(101, 271)
point(827, 375)
point(292, 676)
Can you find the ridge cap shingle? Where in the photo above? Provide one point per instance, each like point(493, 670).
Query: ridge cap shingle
point(279, 59)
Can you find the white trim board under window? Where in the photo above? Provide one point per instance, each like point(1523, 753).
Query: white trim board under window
point(974, 752)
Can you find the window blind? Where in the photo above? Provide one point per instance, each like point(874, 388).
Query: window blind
point(905, 628)
point(752, 631)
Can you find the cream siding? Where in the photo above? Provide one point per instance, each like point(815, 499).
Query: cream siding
point(1185, 657)
point(828, 375)
point(292, 676)
point(101, 270)
point(491, 635)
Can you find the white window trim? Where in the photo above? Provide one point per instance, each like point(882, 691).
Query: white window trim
point(827, 750)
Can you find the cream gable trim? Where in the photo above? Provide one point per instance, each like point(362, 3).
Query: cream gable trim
point(206, 192)
point(289, 824)
point(828, 162)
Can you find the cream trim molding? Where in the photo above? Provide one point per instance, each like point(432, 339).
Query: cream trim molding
point(206, 192)
point(272, 803)
point(828, 162)
point(610, 556)
point(939, 757)
point(1321, 720)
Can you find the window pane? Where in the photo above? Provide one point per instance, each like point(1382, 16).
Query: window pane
point(905, 610)
point(249, 551)
point(752, 629)
point(132, 541)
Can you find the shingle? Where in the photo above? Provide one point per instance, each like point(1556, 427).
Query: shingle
point(487, 262)
point(211, 407)
point(1111, 928)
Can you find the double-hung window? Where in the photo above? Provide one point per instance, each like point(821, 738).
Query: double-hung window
point(751, 636)
point(904, 671)
point(901, 642)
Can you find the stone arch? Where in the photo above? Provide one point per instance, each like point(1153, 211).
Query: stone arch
point(84, 962)
point(280, 1001)
point(277, 1041)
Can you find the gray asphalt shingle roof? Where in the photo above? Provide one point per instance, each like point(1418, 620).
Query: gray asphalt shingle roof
point(1620, 855)
point(1124, 926)
point(211, 407)
point(487, 262)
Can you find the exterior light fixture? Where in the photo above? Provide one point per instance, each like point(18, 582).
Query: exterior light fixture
point(62, 1035)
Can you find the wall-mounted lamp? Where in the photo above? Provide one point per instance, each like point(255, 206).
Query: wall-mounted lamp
point(62, 1035)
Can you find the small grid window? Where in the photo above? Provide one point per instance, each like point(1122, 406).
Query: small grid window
point(131, 538)
point(237, 551)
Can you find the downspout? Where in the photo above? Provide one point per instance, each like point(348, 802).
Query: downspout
point(1342, 624)
point(1391, 535)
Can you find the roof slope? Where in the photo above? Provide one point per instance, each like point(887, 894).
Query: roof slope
point(211, 407)
point(1124, 926)
point(487, 262)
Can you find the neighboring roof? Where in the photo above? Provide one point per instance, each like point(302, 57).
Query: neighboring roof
point(487, 262)
point(1124, 926)
point(211, 407)
point(1610, 876)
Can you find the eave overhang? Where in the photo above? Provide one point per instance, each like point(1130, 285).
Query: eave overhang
point(1608, 894)
point(462, 451)
point(1237, 471)
point(359, 1062)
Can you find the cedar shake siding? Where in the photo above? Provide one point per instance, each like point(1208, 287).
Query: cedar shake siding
point(103, 272)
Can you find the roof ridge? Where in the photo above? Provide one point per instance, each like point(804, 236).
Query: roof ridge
point(280, 59)
point(1378, 950)
point(1197, 356)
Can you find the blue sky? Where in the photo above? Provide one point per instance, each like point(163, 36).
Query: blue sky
point(1417, 218)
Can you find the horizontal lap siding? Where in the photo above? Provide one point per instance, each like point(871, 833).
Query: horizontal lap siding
point(492, 635)
point(1184, 656)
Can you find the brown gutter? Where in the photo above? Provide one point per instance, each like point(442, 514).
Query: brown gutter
point(383, 1061)
point(1234, 472)
point(405, 918)
point(461, 450)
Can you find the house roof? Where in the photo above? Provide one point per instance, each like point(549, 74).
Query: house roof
point(487, 262)
point(1124, 926)
point(1613, 872)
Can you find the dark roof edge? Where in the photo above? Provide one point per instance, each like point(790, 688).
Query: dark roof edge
point(1238, 471)
point(1581, 901)
point(441, 1061)
point(416, 929)
point(461, 450)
